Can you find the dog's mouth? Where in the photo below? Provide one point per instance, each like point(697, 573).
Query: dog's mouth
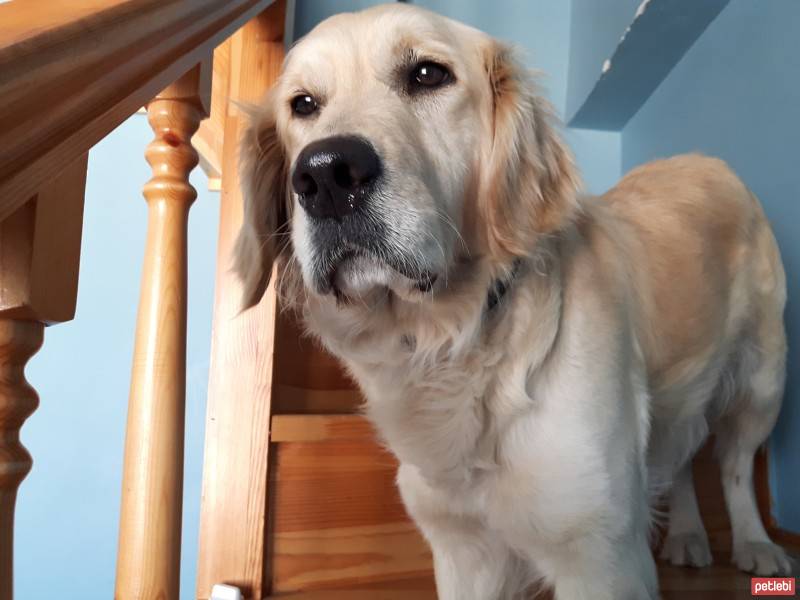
point(355, 272)
point(346, 267)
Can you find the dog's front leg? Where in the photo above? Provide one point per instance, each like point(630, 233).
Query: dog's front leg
point(468, 565)
point(595, 567)
point(469, 562)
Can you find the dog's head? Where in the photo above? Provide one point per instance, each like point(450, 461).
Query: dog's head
point(397, 145)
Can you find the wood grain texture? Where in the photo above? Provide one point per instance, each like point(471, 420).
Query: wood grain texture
point(303, 362)
point(386, 592)
point(19, 340)
point(40, 247)
point(337, 518)
point(148, 559)
point(289, 400)
point(210, 137)
point(234, 497)
point(71, 72)
point(338, 530)
point(719, 582)
point(308, 379)
point(320, 428)
point(790, 539)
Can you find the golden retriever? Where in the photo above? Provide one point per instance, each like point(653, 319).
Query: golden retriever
point(538, 361)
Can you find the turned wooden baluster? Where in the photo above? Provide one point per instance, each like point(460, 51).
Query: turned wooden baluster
point(39, 258)
point(148, 561)
point(19, 340)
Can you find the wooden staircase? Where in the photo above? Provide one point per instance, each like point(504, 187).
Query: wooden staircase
point(339, 532)
point(298, 497)
point(337, 529)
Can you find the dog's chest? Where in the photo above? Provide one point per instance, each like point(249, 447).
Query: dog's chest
point(441, 417)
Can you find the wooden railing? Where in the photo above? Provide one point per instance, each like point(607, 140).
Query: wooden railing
point(71, 72)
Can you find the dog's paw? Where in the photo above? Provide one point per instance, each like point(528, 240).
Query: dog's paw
point(687, 550)
point(762, 558)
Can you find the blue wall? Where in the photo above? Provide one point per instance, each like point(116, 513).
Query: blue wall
point(68, 507)
point(597, 154)
point(540, 30)
point(736, 94)
point(595, 31)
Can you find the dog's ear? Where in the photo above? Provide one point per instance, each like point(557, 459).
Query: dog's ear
point(530, 184)
point(263, 175)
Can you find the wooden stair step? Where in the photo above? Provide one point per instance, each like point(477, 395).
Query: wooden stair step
point(718, 582)
point(385, 594)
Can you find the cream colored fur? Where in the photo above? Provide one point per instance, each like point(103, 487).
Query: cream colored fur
point(531, 436)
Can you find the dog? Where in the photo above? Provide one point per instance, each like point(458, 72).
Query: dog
point(539, 361)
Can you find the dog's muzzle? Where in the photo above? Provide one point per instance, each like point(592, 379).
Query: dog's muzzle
point(338, 181)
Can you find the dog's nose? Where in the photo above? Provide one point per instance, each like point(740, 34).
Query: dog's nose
point(334, 176)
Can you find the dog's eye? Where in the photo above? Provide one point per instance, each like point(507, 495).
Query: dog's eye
point(304, 105)
point(430, 75)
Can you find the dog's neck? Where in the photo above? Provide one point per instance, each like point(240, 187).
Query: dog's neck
point(427, 370)
point(500, 286)
point(385, 330)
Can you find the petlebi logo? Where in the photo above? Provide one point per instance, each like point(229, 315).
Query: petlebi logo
point(772, 586)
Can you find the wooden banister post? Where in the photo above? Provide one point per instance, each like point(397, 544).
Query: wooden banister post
point(39, 259)
point(148, 560)
point(19, 340)
point(233, 509)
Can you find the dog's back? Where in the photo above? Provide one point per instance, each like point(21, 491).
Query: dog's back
point(704, 265)
point(710, 290)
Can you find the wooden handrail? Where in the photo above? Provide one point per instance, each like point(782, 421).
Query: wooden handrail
point(71, 72)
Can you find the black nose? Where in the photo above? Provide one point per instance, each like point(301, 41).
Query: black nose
point(334, 177)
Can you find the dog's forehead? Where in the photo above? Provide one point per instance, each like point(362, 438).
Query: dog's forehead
point(376, 37)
